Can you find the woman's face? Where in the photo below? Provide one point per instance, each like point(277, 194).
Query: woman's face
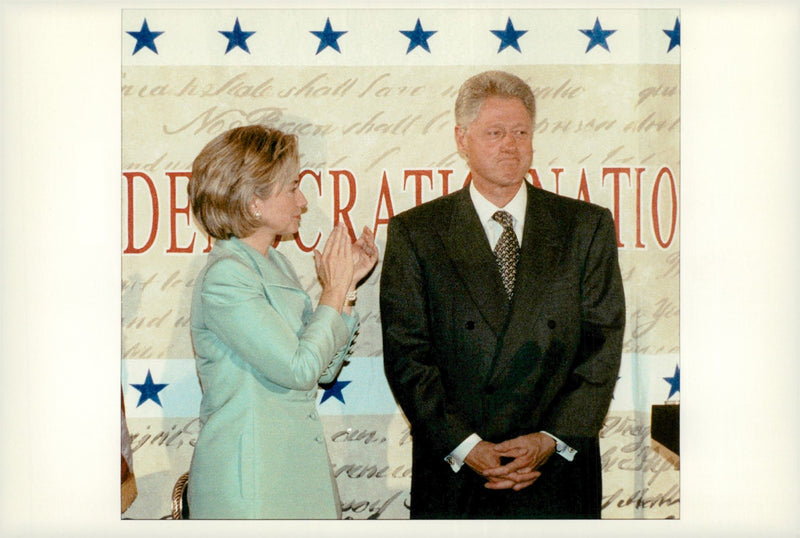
point(281, 211)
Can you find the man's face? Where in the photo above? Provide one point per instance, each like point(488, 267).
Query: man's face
point(498, 144)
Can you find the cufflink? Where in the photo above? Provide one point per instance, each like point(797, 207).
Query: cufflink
point(564, 450)
point(450, 460)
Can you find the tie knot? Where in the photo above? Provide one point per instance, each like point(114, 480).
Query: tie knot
point(504, 218)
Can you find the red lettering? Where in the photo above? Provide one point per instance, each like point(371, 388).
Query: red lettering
point(616, 173)
point(384, 197)
point(639, 243)
point(583, 188)
point(535, 178)
point(417, 175)
point(297, 239)
point(655, 211)
point(130, 176)
point(445, 181)
point(340, 211)
point(173, 213)
point(556, 173)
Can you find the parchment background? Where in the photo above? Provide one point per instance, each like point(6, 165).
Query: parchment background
point(65, 486)
point(607, 129)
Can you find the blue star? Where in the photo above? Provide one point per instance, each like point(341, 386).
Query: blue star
point(597, 36)
point(145, 38)
point(674, 35)
point(417, 37)
point(149, 390)
point(674, 382)
point(509, 36)
point(237, 38)
point(335, 391)
point(327, 37)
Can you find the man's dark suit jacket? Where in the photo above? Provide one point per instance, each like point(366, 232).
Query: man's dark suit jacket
point(461, 359)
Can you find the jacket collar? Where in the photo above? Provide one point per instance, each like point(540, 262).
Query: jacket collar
point(466, 243)
point(274, 269)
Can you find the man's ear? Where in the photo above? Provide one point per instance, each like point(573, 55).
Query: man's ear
point(461, 143)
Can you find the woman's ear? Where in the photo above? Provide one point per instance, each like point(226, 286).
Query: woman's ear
point(255, 207)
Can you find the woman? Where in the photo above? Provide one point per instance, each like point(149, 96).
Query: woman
point(261, 349)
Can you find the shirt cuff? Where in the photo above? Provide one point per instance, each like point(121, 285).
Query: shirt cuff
point(562, 448)
point(456, 458)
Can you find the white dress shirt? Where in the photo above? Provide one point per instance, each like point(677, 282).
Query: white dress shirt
point(485, 209)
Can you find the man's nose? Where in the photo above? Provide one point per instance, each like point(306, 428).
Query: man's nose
point(508, 141)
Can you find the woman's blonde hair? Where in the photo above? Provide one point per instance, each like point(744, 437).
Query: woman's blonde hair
point(490, 84)
point(232, 169)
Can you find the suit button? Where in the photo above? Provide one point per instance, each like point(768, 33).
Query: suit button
point(312, 415)
point(551, 323)
point(319, 439)
point(469, 325)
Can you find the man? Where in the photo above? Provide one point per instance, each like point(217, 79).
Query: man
point(502, 311)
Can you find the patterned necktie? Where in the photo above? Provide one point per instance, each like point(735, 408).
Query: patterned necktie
point(507, 251)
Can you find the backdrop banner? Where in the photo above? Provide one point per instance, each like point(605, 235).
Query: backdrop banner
point(370, 95)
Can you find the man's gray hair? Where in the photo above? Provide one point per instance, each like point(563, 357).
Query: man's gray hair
point(490, 84)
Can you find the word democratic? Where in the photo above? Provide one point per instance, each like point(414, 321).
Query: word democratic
point(644, 203)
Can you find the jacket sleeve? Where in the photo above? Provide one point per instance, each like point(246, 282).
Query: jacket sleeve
point(333, 369)
point(582, 404)
point(411, 370)
point(237, 311)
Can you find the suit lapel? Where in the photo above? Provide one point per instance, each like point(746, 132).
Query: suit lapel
point(285, 292)
point(466, 244)
point(541, 244)
point(539, 253)
point(274, 270)
point(277, 275)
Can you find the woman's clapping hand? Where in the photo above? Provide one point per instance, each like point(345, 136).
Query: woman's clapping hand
point(335, 267)
point(365, 255)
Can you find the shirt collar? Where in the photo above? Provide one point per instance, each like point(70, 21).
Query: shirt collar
point(486, 209)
